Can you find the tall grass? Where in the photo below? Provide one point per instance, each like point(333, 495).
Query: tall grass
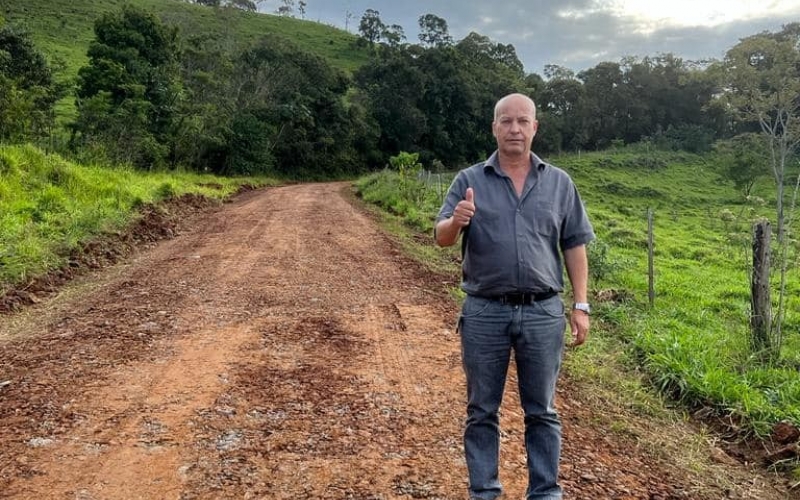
point(49, 205)
point(693, 345)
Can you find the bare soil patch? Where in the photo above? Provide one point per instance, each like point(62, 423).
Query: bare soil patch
point(280, 346)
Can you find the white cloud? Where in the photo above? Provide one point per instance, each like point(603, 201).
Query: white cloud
point(579, 14)
point(652, 16)
point(578, 33)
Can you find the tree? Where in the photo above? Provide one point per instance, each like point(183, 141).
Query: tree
point(132, 77)
point(248, 5)
point(744, 158)
point(563, 111)
point(556, 72)
point(371, 26)
point(28, 90)
point(207, 70)
point(301, 7)
point(394, 35)
point(480, 49)
point(664, 93)
point(507, 56)
point(433, 31)
point(391, 88)
point(287, 7)
point(763, 87)
point(348, 16)
point(534, 85)
point(436, 101)
point(288, 116)
point(605, 98)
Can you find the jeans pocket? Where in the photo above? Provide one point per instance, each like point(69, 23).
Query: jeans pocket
point(553, 306)
point(474, 306)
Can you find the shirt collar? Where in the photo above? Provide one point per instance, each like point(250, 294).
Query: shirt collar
point(493, 162)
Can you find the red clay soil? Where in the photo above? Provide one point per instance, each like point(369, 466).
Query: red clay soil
point(278, 347)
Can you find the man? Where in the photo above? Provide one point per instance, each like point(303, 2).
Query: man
point(517, 216)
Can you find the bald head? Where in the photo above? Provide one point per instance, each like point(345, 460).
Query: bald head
point(514, 126)
point(516, 99)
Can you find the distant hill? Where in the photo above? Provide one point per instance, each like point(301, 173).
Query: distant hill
point(63, 29)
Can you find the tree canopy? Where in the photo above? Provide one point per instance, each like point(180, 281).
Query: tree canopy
point(155, 96)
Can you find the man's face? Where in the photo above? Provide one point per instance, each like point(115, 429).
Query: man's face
point(515, 127)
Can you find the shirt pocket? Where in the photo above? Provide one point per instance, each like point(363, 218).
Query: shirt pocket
point(486, 215)
point(546, 220)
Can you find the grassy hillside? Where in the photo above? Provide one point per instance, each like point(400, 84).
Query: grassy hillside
point(63, 28)
point(49, 206)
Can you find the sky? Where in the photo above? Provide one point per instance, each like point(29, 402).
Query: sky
point(576, 34)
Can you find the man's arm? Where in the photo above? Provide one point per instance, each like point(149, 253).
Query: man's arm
point(577, 264)
point(448, 230)
point(578, 271)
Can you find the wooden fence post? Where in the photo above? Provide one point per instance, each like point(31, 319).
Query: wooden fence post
point(761, 314)
point(651, 287)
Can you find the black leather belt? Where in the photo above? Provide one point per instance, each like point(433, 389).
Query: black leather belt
point(522, 298)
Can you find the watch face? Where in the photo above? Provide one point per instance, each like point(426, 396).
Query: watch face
point(582, 307)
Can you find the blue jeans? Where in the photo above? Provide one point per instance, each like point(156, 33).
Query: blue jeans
point(489, 332)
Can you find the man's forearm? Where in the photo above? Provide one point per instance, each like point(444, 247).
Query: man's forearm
point(578, 271)
point(447, 232)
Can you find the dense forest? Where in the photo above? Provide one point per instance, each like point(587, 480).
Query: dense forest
point(156, 96)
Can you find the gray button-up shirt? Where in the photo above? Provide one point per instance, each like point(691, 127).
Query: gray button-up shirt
point(513, 243)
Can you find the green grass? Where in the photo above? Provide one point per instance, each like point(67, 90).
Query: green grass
point(693, 345)
point(49, 206)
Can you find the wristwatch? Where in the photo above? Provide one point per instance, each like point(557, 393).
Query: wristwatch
point(582, 306)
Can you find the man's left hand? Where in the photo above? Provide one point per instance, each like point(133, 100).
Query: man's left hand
point(579, 325)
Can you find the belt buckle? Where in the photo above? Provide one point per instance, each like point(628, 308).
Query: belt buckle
point(517, 298)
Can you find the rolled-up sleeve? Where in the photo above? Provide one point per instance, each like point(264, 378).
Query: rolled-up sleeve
point(576, 229)
point(456, 193)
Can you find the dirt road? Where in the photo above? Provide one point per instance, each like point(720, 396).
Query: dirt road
point(280, 347)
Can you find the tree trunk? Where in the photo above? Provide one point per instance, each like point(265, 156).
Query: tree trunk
point(761, 316)
point(651, 278)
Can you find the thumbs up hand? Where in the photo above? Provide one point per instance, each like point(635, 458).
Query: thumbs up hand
point(465, 210)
